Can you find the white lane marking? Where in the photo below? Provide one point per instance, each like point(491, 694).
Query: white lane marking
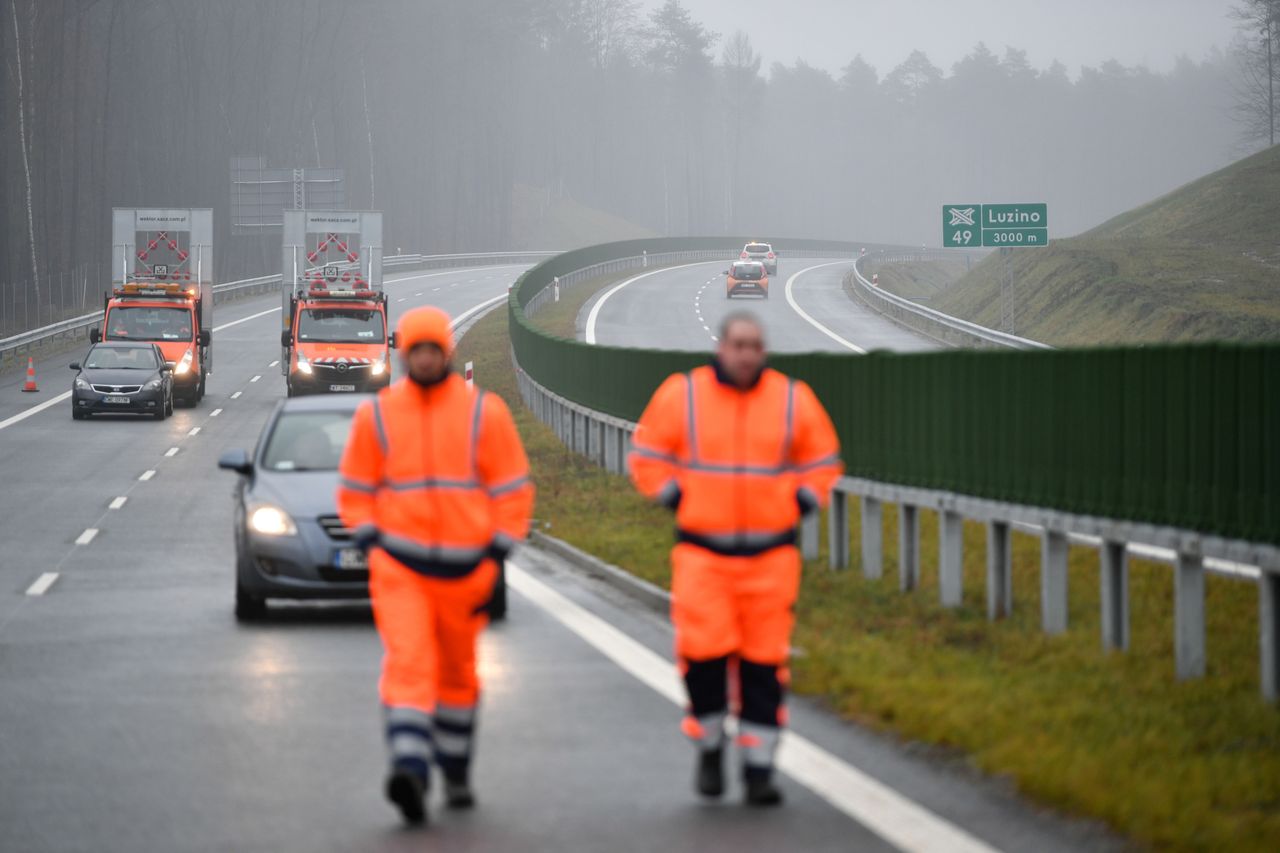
point(274, 363)
point(804, 315)
point(236, 395)
point(245, 319)
point(42, 584)
point(879, 808)
point(401, 299)
point(595, 309)
point(256, 378)
point(419, 293)
point(87, 537)
point(457, 321)
point(34, 410)
point(194, 431)
point(118, 502)
point(172, 451)
point(147, 475)
point(215, 413)
point(399, 280)
point(434, 289)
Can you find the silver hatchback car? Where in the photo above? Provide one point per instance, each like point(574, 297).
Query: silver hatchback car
point(290, 542)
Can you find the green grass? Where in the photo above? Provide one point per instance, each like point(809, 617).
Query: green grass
point(1178, 766)
point(919, 279)
point(1200, 264)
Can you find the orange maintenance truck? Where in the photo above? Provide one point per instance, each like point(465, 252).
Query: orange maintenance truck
point(336, 335)
point(162, 293)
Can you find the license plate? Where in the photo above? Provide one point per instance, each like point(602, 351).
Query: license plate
point(342, 387)
point(350, 558)
point(124, 400)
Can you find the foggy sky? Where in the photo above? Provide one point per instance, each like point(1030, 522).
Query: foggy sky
point(829, 33)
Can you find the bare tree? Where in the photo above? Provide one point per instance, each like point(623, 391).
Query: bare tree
point(1255, 106)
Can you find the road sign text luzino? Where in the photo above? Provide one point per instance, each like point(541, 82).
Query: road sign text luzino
point(1003, 226)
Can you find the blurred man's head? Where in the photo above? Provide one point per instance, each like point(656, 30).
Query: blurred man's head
point(426, 364)
point(426, 343)
point(741, 351)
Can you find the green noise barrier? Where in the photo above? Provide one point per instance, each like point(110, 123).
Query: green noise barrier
point(1186, 436)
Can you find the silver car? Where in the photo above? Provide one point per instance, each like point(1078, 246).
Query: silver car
point(290, 542)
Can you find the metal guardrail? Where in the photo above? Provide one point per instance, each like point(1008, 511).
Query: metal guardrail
point(926, 321)
point(606, 441)
point(25, 341)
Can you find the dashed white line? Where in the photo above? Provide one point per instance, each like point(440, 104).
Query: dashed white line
point(172, 451)
point(87, 537)
point(401, 299)
point(117, 503)
point(274, 363)
point(594, 316)
point(42, 584)
point(256, 378)
point(215, 413)
point(194, 431)
point(419, 293)
point(235, 396)
point(147, 475)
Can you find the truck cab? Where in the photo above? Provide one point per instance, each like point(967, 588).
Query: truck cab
point(168, 314)
point(338, 340)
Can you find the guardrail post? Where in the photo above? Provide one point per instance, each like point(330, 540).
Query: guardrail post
point(1188, 580)
point(872, 538)
point(999, 571)
point(838, 531)
point(810, 528)
point(908, 547)
point(1114, 578)
point(950, 558)
point(1269, 633)
point(1053, 582)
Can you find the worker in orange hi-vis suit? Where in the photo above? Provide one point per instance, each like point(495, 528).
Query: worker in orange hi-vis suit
point(741, 453)
point(435, 485)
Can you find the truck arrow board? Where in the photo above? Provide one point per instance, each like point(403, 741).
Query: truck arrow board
point(1003, 226)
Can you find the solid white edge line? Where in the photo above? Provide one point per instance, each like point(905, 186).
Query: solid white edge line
point(590, 335)
point(34, 410)
point(804, 315)
point(42, 583)
point(87, 537)
point(118, 502)
point(898, 820)
point(245, 319)
point(461, 318)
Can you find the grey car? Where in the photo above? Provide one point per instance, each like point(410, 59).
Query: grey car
point(290, 542)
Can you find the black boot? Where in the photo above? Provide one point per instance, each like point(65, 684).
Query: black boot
point(760, 788)
point(710, 778)
point(408, 791)
point(457, 790)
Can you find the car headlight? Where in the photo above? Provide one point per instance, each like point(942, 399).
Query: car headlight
point(81, 385)
point(153, 385)
point(379, 367)
point(304, 366)
point(184, 365)
point(272, 521)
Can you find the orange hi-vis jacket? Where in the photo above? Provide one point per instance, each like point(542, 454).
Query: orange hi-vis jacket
point(436, 477)
point(738, 466)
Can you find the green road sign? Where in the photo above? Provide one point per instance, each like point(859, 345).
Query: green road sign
point(962, 226)
point(1001, 226)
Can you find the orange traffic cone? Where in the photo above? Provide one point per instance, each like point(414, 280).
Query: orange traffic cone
point(30, 384)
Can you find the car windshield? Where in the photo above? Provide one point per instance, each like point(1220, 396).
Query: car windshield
point(121, 358)
point(757, 249)
point(748, 272)
point(340, 327)
point(149, 324)
point(307, 441)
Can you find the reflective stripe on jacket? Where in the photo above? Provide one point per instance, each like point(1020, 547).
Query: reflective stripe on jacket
point(435, 476)
point(739, 466)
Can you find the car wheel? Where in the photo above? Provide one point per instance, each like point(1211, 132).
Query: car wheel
point(76, 414)
point(249, 608)
point(497, 606)
point(168, 404)
point(161, 414)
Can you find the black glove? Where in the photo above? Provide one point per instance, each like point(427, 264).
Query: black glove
point(807, 500)
point(670, 496)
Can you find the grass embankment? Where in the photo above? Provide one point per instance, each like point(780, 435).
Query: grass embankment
point(1202, 263)
point(1192, 766)
point(921, 280)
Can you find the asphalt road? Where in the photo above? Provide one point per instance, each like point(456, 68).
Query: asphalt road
point(681, 308)
point(137, 715)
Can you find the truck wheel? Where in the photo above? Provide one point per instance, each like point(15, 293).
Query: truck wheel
point(249, 608)
point(199, 395)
